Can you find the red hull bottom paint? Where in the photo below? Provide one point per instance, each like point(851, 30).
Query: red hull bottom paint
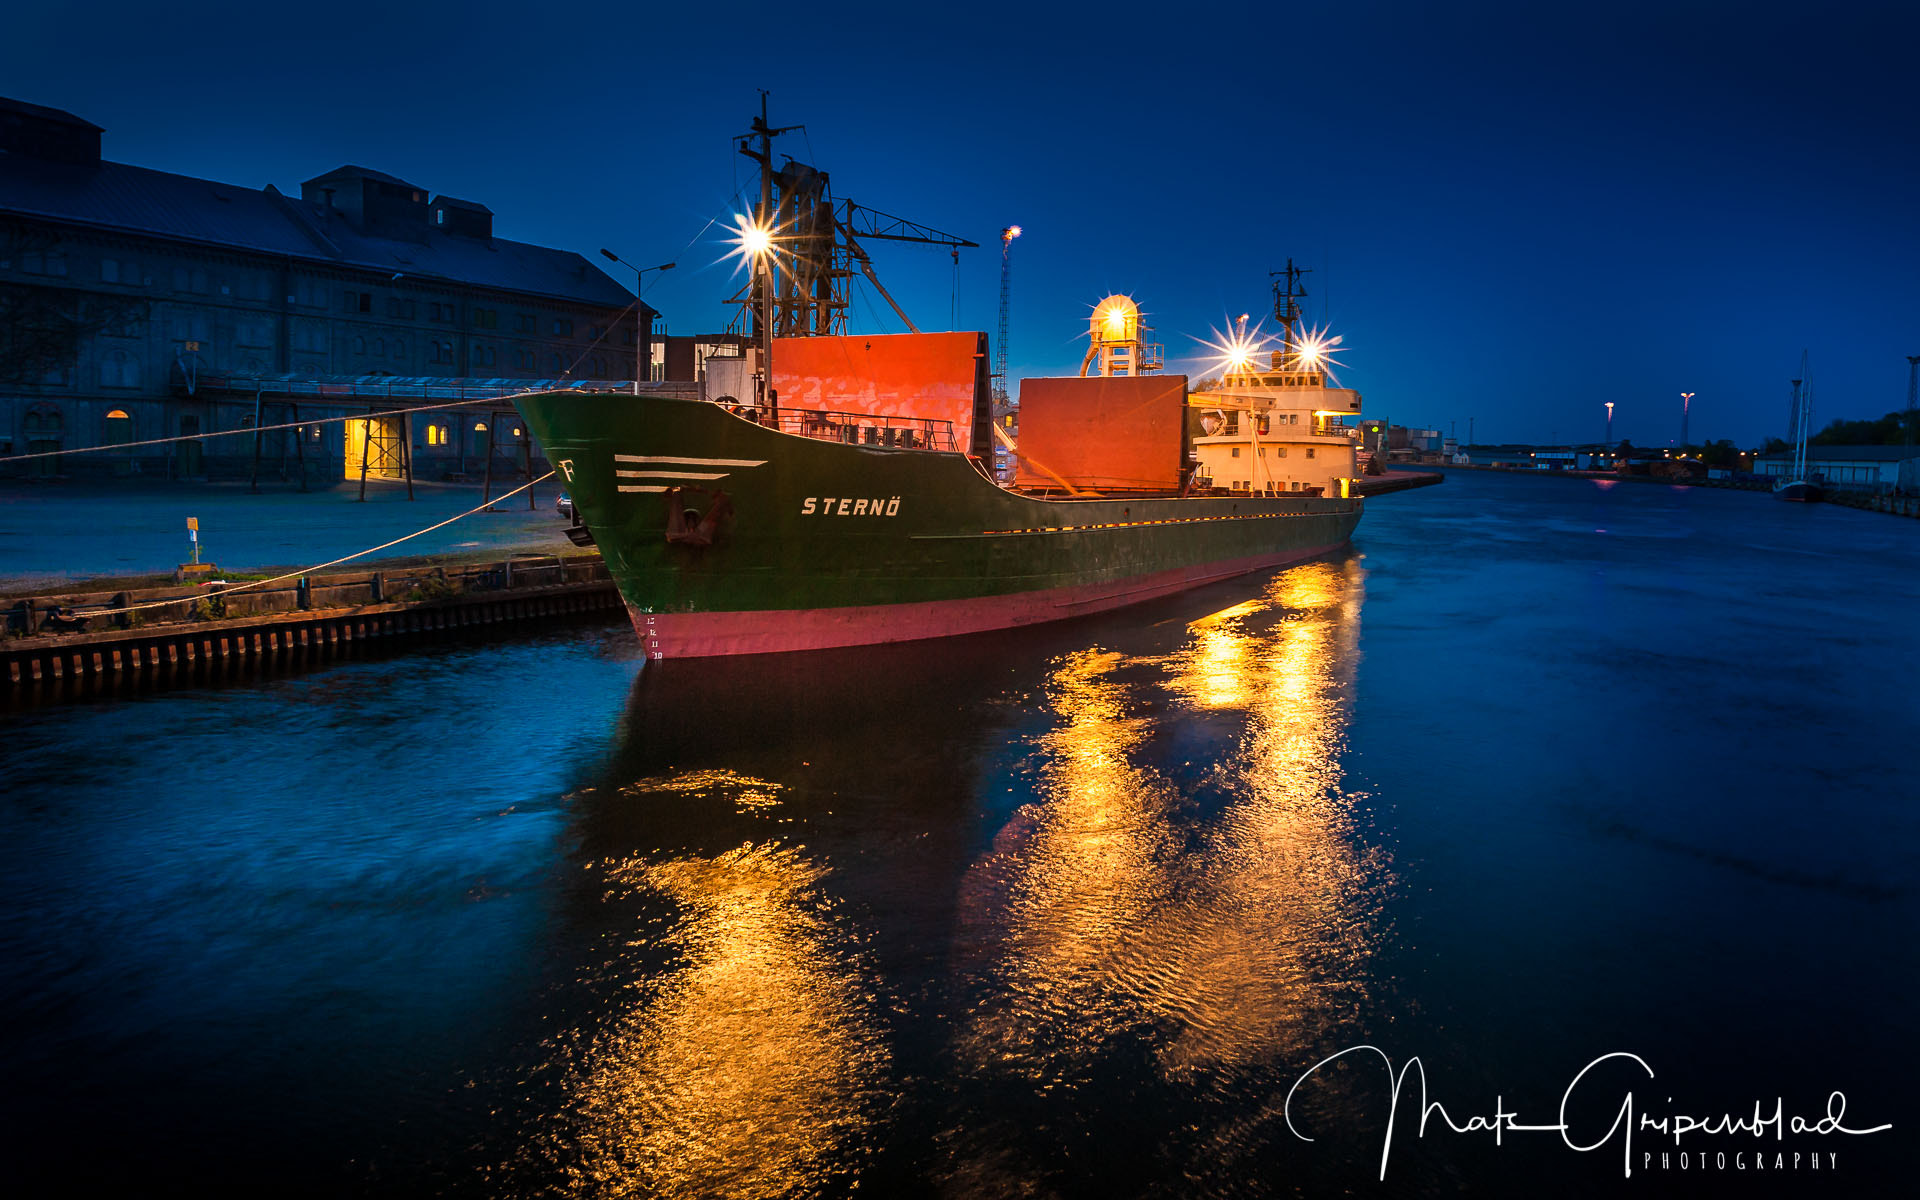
point(778, 631)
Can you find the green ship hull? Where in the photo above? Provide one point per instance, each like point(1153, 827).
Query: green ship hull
point(785, 542)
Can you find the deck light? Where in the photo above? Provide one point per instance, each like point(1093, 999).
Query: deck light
point(755, 239)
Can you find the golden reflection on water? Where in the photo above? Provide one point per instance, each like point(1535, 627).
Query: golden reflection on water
point(1230, 932)
point(753, 1066)
point(742, 791)
point(1089, 869)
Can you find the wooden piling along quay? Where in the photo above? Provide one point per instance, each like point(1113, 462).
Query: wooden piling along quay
point(1886, 502)
point(87, 636)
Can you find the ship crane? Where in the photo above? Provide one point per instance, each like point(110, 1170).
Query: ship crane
point(872, 223)
point(812, 244)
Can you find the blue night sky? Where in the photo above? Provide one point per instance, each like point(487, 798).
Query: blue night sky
point(1513, 212)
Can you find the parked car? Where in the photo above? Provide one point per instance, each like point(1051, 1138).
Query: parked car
point(564, 505)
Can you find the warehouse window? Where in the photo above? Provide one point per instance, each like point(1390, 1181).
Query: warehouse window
point(119, 370)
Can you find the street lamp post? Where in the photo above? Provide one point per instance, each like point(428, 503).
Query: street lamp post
point(643, 329)
point(1686, 400)
point(1609, 424)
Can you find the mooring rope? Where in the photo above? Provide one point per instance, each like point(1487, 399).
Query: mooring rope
point(241, 587)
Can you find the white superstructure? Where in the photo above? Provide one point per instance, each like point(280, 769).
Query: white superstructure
point(1276, 431)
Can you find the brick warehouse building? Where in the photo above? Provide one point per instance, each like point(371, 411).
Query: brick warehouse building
point(138, 304)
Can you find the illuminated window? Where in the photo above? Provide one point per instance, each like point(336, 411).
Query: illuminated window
point(433, 435)
point(118, 428)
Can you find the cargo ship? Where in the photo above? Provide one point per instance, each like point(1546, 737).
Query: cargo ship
point(821, 489)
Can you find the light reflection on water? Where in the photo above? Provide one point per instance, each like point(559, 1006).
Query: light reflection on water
point(749, 1067)
point(1226, 933)
point(1061, 911)
point(1219, 910)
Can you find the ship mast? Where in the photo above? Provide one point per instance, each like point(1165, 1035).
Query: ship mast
point(1287, 293)
point(763, 283)
point(812, 247)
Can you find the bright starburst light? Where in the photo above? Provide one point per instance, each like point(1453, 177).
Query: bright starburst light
point(752, 241)
point(1315, 351)
point(1235, 352)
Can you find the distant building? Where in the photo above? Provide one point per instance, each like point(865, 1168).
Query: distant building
point(683, 358)
point(1513, 459)
point(1865, 468)
point(138, 304)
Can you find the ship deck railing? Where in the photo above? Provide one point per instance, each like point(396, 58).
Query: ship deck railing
point(866, 429)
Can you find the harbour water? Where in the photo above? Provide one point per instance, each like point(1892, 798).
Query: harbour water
point(1542, 771)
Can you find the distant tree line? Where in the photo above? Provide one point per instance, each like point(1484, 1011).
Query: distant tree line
point(1890, 430)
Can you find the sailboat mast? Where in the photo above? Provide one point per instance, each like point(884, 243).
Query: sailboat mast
point(1803, 384)
point(1797, 432)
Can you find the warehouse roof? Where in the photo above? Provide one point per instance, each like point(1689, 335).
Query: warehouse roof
point(116, 196)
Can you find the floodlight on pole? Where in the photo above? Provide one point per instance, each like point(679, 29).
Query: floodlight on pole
point(643, 331)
